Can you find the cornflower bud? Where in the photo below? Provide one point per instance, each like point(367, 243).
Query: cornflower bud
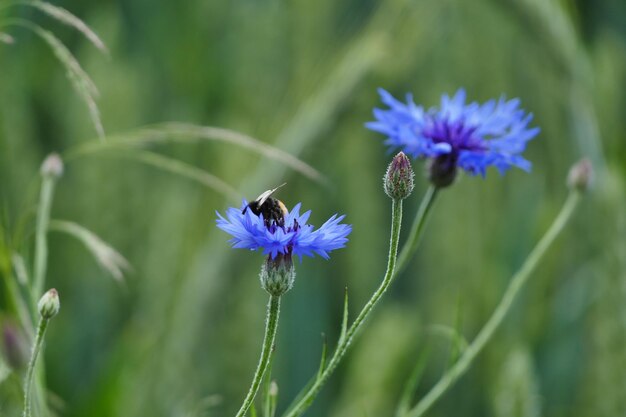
point(49, 304)
point(580, 175)
point(278, 274)
point(398, 181)
point(442, 170)
point(52, 166)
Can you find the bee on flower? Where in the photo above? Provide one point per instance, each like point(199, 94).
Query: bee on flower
point(266, 224)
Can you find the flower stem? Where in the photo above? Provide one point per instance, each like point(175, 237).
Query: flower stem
point(417, 228)
point(41, 331)
point(41, 243)
point(488, 330)
point(273, 309)
point(344, 343)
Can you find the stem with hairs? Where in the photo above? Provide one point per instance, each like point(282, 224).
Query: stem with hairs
point(345, 341)
point(273, 309)
point(41, 243)
point(41, 331)
point(496, 319)
point(410, 246)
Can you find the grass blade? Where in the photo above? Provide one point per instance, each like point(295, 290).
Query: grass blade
point(80, 80)
point(67, 18)
point(459, 343)
point(183, 169)
point(404, 405)
point(111, 260)
point(189, 133)
point(344, 321)
point(306, 387)
point(323, 358)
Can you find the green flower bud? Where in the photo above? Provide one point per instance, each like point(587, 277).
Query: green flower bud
point(398, 181)
point(580, 175)
point(52, 166)
point(49, 304)
point(277, 275)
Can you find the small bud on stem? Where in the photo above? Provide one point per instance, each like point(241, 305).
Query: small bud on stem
point(580, 175)
point(49, 304)
point(277, 274)
point(52, 166)
point(398, 181)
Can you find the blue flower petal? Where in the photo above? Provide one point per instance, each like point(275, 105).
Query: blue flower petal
point(296, 237)
point(494, 133)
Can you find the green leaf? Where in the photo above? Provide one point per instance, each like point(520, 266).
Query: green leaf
point(404, 405)
point(344, 321)
point(323, 358)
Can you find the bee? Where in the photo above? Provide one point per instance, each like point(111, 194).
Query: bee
point(272, 209)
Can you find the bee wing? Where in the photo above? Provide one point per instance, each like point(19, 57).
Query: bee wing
point(265, 195)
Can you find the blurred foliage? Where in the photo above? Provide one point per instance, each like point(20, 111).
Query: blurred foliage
point(180, 336)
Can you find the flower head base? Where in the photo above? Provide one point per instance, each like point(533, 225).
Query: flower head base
point(470, 136)
point(277, 275)
point(293, 237)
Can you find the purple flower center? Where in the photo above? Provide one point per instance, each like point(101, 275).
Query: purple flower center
point(457, 134)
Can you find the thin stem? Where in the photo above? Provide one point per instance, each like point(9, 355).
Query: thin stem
point(408, 250)
point(488, 330)
point(41, 243)
point(345, 342)
point(41, 331)
point(273, 309)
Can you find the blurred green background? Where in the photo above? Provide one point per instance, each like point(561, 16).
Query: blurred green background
point(180, 336)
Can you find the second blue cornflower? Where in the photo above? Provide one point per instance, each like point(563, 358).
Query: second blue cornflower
point(470, 136)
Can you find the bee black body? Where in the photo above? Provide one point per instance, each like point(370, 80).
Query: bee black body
point(272, 209)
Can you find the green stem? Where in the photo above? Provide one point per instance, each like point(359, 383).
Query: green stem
point(344, 343)
point(488, 330)
point(273, 309)
point(41, 331)
point(408, 250)
point(41, 243)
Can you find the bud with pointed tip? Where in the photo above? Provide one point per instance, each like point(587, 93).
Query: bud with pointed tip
point(398, 181)
point(49, 304)
point(580, 175)
point(52, 166)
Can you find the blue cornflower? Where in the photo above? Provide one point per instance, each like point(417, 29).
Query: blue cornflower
point(293, 236)
point(470, 136)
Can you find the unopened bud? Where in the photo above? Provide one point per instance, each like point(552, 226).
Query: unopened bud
point(580, 175)
point(398, 181)
point(278, 274)
point(442, 170)
point(273, 389)
point(52, 166)
point(49, 304)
